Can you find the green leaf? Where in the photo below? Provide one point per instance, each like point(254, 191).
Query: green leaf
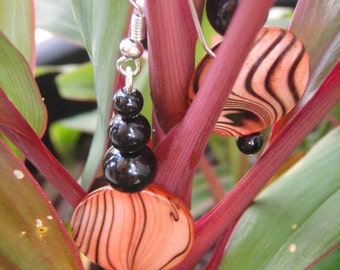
point(296, 219)
point(142, 83)
point(32, 235)
point(17, 23)
point(57, 17)
point(331, 262)
point(102, 27)
point(64, 141)
point(77, 84)
point(279, 16)
point(20, 87)
point(16, 129)
point(85, 122)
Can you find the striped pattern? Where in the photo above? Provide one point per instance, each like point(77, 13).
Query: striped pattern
point(147, 230)
point(271, 82)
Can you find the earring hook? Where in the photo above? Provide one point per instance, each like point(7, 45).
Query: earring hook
point(137, 7)
point(199, 29)
point(137, 23)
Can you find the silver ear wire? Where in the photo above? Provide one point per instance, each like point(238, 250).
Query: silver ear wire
point(199, 28)
point(131, 48)
point(137, 23)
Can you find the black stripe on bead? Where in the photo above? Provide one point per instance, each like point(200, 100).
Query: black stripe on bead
point(254, 68)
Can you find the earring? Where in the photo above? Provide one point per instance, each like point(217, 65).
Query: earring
point(271, 82)
point(131, 224)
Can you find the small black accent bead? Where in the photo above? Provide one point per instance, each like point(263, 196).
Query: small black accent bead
point(219, 13)
point(129, 134)
point(128, 104)
point(250, 144)
point(129, 172)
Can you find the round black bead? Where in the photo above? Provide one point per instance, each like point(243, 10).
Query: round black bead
point(219, 13)
point(129, 173)
point(250, 144)
point(129, 134)
point(128, 103)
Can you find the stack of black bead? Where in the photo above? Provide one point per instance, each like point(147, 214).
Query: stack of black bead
point(129, 164)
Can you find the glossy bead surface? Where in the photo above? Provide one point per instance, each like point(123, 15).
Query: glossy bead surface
point(250, 144)
point(219, 13)
point(129, 134)
point(149, 230)
point(272, 80)
point(131, 49)
point(128, 104)
point(129, 172)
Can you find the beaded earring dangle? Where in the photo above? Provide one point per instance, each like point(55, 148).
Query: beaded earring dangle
point(132, 224)
point(129, 164)
point(272, 80)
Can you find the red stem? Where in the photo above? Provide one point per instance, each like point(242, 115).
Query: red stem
point(213, 224)
point(215, 186)
point(171, 48)
point(219, 249)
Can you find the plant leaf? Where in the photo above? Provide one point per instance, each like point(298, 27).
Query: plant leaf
point(57, 17)
point(16, 129)
point(84, 122)
point(17, 23)
point(331, 262)
point(19, 85)
point(64, 140)
point(317, 24)
point(296, 219)
point(77, 84)
point(32, 234)
point(102, 28)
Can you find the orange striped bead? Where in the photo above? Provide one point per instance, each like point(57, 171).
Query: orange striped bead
point(271, 82)
point(150, 230)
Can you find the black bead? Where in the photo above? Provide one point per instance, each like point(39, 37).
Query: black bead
point(219, 13)
point(250, 144)
point(129, 134)
point(128, 104)
point(129, 173)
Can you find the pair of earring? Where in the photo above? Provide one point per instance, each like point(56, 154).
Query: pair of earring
point(137, 225)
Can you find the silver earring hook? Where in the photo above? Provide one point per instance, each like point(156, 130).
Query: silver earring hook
point(137, 7)
point(137, 23)
point(199, 28)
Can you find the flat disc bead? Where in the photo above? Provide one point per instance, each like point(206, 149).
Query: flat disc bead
point(129, 134)
point(129, 172)
point(127, 103)
point(151, 229)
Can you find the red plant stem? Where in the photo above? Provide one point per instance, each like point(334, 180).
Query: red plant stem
point(214, 223)
point(16, 129)
point(180, 151)
point(171, 48)
point(219, 249)
point(215, 186)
